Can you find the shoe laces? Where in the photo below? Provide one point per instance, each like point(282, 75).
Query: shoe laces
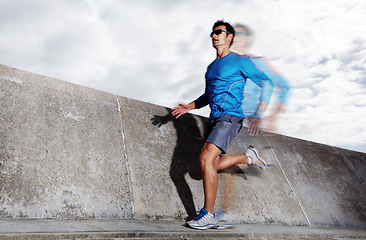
point(200, 215)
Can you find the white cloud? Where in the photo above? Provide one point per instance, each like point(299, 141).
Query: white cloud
point(158, 51)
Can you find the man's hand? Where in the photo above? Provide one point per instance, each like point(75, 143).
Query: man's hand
point(253, 127)
point(182, 108)
point(255, 121)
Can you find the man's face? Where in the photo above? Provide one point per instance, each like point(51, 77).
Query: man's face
point(221, 39)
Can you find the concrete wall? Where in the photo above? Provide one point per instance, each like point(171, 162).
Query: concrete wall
point(71, 152)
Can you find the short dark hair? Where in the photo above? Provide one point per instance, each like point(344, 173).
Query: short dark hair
point(228, 26)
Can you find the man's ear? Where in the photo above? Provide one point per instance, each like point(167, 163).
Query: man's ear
point(230, 37)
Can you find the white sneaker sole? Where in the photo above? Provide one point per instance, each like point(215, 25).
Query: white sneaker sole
point(202, 227)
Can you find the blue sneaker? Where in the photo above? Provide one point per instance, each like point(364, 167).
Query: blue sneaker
point(204, 220)
point(257, 161)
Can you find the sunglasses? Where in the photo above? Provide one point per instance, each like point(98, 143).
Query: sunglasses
point(218, 32)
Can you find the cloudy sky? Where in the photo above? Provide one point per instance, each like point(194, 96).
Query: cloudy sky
point(157, 51)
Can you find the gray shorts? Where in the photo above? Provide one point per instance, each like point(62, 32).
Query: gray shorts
point(222, 131)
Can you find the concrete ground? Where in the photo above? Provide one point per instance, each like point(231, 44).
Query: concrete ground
point(123, 229)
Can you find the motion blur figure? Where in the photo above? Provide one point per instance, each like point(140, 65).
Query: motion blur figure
point(241, 45)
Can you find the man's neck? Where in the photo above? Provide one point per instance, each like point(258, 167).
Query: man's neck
point(222, 52)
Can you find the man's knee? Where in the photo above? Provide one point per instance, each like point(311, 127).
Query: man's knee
point(204, 156)
point(209, 154)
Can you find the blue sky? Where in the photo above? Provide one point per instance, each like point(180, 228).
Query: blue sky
point(157, 51)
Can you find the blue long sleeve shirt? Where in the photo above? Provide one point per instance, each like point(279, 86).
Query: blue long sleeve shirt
point(252, 91)
point(225, 81)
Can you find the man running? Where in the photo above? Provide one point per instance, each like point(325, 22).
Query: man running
point(225, 80)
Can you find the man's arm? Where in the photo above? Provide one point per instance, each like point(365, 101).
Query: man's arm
point(284, 87)
point(262, 80)
point(183, 108)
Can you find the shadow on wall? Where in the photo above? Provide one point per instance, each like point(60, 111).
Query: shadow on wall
point(185, 157)
point(185, 160)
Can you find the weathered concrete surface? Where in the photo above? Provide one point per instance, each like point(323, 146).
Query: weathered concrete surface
point(72, 152)
point(61, 150)
point(137, 229)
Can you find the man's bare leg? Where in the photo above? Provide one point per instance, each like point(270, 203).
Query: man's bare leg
point(209, 162)
point(229, 160)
